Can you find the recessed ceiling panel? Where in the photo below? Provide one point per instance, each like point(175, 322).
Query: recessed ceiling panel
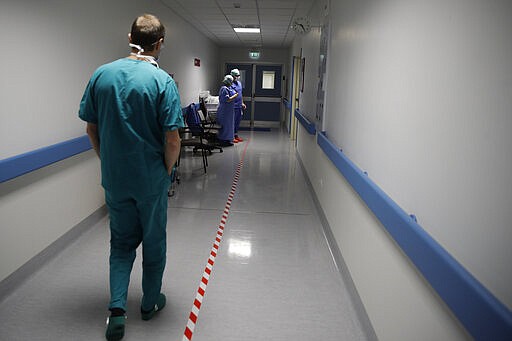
point(241, 3)
point(239, 11)
point(277, 11)
point(215, 19)
point(277, 3)
point(192, 3)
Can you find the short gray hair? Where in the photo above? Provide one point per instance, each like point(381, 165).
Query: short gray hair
point(228, 80)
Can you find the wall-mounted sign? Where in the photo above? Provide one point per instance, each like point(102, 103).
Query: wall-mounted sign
point(254, 54)
point(197, 62)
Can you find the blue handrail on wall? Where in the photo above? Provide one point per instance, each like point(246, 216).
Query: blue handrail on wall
point(24, 163)
point(309, 126)
point(483, 315)
point(287, 103)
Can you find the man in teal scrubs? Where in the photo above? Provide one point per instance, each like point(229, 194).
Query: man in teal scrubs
point(133, 112)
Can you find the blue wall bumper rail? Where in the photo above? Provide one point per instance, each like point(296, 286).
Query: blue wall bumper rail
point(481, 313)
point(309, 126)
point(24, 163)
point(287, 103)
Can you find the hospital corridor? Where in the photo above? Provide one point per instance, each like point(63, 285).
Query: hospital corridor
point(273, 277)
point(298, 170)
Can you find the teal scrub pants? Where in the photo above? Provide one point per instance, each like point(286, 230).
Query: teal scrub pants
point(134, 221)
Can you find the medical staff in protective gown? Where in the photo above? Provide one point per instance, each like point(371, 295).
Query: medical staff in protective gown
point(225, 112)
point(239, 105)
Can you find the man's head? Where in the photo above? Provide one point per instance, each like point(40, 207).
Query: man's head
point(235, 73)
point(147, 32)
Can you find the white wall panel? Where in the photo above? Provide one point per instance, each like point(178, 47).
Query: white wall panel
point(420, 97)
point(58, 46)
point(38, 208)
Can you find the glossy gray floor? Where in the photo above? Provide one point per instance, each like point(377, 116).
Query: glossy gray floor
point(273, 279)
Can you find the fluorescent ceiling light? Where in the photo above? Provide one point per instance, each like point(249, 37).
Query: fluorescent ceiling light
point(247, 29)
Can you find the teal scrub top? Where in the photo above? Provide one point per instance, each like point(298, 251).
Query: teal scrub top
point(133, 103)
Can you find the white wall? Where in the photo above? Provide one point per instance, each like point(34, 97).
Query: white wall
point(51, 49)
point(56, 45)
point(38, 208)
point(419, 96)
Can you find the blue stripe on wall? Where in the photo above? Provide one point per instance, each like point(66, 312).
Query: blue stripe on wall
point(482, 314)
point(24, 163)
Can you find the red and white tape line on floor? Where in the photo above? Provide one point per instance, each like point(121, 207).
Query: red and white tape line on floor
point(201, 290)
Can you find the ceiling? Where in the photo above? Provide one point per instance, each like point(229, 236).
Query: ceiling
point(216, 18)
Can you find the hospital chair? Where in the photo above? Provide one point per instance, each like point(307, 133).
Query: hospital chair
point(208, 120)
point(193, 134)
point(210, 126)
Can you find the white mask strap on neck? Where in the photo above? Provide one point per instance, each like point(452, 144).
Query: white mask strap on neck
point(139, 54)
point(149, 59)
point(138, 47)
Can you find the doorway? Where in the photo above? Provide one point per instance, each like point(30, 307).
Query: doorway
point(261, 89)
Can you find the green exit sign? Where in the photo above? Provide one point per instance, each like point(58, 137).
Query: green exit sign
point(254, 54)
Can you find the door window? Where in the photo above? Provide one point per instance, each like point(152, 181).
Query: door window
point(268, 80)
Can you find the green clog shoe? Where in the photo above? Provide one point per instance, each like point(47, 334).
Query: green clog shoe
point(160, 304)
point(115, 328)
